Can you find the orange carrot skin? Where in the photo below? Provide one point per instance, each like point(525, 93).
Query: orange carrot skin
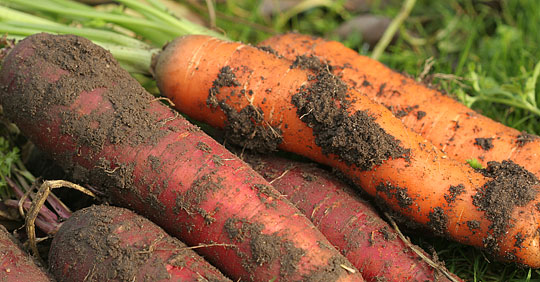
point(188, 67)
point(15, 264)
point(445, 122)
point(131, 245)
point(178, 177)
point(349, 222)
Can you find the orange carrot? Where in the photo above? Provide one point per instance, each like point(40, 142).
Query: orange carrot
point(264, 101)
point(457, 130)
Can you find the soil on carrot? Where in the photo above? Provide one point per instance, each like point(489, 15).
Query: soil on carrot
point(88, 68)
point(400, 193)
point(265, 248)
point(511, 186)
point(99, 243)
point(356, 138)
point(525, 138)
point(420, 115)
point(270, 50)
point(246, 127)
point(190, 200)
point(400, 112)
point(438, 221)
point(485, 143)
point(453, 192)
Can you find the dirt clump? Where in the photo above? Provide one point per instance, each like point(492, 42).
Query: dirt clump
point(485, 143)
point(354, 137)
point(510, 186)
point(246, 127)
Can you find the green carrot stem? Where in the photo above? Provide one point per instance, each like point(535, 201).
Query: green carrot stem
point(14, 15)
point(178, 26)
point(91, 14)
point(90, 33)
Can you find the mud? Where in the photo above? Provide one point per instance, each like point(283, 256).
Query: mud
point(355, 138)
point(511, 186)
point(393, 191)
point(246, 127)
point(485, 143)
point(453, 192)
point(265, 248)
point(525, 138)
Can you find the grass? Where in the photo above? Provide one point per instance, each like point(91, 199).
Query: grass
point(485, 53)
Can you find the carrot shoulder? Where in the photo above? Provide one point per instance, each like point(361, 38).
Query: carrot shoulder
point(231, 85)
point(457, 130)
point(74, 101)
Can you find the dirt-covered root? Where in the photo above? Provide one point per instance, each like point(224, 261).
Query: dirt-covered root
point(105, 243)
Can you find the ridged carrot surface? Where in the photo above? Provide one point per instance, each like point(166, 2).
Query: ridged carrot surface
point(232, 85)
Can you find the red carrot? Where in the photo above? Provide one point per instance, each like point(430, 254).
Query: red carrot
point(72, 100)
point(105, 243)
point(264, 101)
point(457, 130)
point(15, 264)
point(349, 222)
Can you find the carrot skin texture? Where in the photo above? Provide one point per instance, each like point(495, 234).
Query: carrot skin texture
point(15, 264)
point(447, 123)
point(185, 72)
point(178, 177)
point(99, 239)
point(349, 222)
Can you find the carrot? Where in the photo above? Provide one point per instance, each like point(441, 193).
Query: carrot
point(105, 243)
point(73, 101)
point(15, 264)
point(231, 85)
point(349, 222)
point(455, 129)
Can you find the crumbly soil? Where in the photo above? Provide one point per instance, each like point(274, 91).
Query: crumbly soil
point(400, 112)
point(265, 248)
point(525, 138)
point(511, 186)
point(453, 192)
point(89, 67)
point(355, 138)
point(190, 200)
point(400, 193)
point(93, 240)
point(485, 143)
point(420, 115)
point(246, 127)
point(438, 221)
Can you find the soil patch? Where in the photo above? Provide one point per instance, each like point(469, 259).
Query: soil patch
point(438, 221)
point(247, 127)
point(355, 138)
point(485, 143)
point(420, 115)
point(453, 192)
point(511, 186)
point(265, 248)
point(400, 193)
point(525, 138)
